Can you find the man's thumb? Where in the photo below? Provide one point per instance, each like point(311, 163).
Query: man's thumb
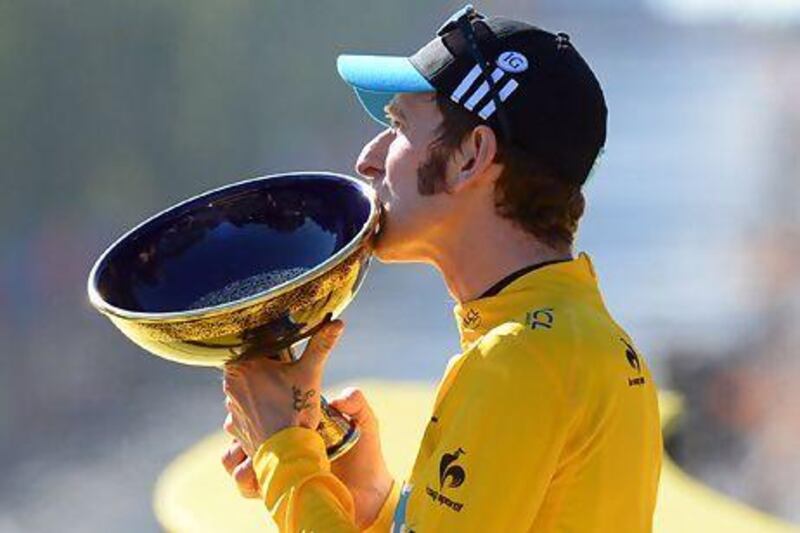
point(351, 401)
point(322, 343)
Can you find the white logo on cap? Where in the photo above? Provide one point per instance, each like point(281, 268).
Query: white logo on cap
point(512, 62)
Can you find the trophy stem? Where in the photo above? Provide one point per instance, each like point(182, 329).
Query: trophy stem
point(338, 431)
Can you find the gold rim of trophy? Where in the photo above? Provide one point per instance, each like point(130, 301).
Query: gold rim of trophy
point(365, 233)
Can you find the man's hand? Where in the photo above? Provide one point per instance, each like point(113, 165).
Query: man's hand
point(240, 467)
point(362, 469)
point(263, 396)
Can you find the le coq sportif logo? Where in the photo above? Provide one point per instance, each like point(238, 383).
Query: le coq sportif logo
point(635, 363)
point(451, 476)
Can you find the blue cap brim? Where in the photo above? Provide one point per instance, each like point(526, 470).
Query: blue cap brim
point(376, 80)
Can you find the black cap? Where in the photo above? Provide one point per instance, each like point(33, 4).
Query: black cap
point(530, 85)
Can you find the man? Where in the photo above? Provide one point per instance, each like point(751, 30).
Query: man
point(548, 419)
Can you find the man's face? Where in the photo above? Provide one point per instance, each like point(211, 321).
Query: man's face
point(393, 162)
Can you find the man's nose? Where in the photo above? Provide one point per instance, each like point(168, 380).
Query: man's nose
point(371, 161)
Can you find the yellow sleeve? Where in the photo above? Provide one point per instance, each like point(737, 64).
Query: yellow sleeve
point(300, 491)
point(297, 486)
point(499, 442)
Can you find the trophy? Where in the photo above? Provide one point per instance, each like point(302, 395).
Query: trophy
point(251, 269)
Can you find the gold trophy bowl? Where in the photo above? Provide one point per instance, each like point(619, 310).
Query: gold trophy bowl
point(247, 270)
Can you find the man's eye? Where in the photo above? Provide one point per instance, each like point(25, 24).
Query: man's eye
point(395, 125)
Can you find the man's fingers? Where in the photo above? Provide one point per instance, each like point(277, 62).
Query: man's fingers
point(246, 480)
point(229, 404)
point(233, 456)
point(229, 426)
point(322, 343)
point(240, 467)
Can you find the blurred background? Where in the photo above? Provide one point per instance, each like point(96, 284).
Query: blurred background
point(112, 111)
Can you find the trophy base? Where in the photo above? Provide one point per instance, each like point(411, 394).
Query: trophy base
point(338, 431)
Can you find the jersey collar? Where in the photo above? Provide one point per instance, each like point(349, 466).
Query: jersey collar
point(540, 287)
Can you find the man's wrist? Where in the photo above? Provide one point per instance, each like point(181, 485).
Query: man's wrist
point(384, 510)
point(376, 497)
point(299, 420)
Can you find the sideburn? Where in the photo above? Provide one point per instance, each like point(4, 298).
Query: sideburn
point(431, 172)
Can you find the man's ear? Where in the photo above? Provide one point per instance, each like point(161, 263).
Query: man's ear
point(474, 157)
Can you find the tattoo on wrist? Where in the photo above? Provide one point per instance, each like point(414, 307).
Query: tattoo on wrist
point(301, 399)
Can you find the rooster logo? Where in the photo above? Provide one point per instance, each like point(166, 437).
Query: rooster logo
point(633, 358)
point(451, 475)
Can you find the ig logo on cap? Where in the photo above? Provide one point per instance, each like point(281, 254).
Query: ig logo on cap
point(512, 62)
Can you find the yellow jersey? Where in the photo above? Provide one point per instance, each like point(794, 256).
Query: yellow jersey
point(546, 421)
